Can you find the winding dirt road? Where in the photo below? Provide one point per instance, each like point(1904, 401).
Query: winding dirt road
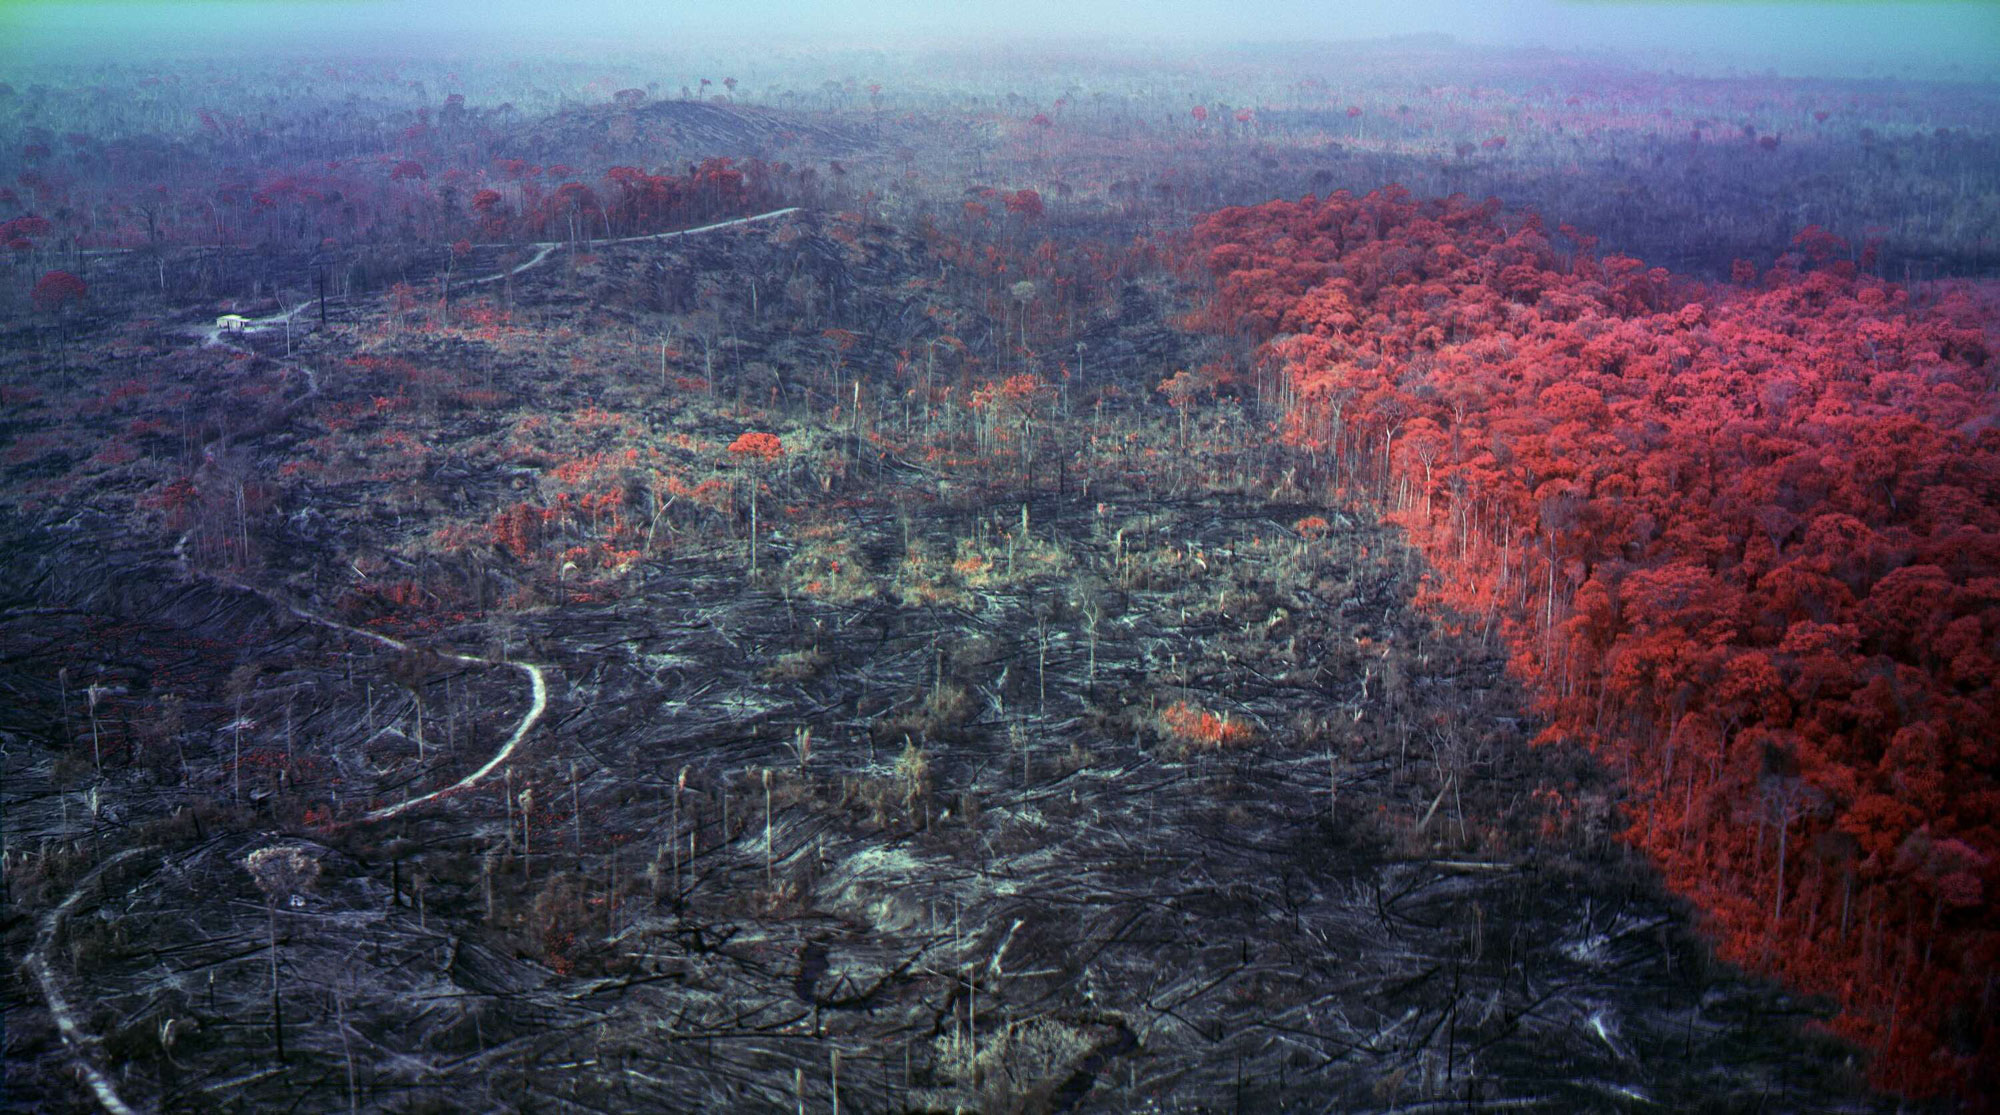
point(537, 681)
point(213, 334)
point(80, 1041)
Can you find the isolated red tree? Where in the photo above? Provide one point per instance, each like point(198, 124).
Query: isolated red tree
point(1025, 204)
point(758, 451)
point(757, 447)
point(56, 291)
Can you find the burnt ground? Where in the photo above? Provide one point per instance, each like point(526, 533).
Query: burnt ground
point(980, 793)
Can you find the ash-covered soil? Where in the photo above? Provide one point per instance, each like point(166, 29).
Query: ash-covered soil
point(984, 881)
point(984, 790)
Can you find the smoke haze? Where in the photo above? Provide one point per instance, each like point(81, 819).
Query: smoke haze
point(1923, 40)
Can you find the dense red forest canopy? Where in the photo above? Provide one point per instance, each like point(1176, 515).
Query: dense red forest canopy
point(1744, 541)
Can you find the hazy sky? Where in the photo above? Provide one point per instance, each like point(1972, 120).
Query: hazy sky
point(1829, 37)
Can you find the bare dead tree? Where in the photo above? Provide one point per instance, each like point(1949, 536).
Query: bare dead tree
point(284, 874)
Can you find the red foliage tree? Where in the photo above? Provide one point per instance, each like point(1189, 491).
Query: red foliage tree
point(24, 228)
point(758, 451)
point(56, 291)
point(1025, 204)
point(758, 447)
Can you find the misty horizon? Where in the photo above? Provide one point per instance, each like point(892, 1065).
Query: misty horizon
point(1948, 41)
